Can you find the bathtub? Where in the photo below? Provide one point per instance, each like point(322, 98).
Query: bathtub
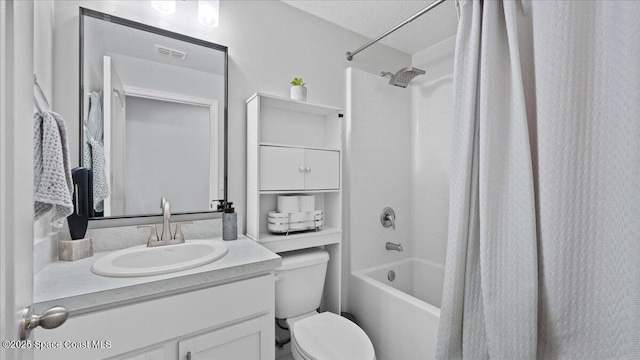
point(400, 316)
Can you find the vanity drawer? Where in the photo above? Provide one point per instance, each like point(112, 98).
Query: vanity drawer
point(147, 323)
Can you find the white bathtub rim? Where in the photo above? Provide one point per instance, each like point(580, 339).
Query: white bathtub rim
point(398, 262)
point(362, 275)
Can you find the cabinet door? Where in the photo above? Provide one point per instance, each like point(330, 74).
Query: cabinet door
point(322, 170)
point(243, 341)
point(281, 168)
point(155, 354)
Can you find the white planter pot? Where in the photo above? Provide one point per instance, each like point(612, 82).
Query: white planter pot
point(299, 93)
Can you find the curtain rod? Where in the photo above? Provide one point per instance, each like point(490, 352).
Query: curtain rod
point(350, 55)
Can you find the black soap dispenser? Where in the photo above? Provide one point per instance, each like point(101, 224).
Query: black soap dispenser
point(229, 222)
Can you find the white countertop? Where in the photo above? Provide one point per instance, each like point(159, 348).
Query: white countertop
point(74, 286)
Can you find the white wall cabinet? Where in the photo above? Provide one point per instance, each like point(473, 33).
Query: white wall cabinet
point(287, 168)
point(230, 321)
point(295, 147)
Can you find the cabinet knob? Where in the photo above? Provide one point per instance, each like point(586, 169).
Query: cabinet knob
point(189, 355)
point(301, 168)
point(308, 169)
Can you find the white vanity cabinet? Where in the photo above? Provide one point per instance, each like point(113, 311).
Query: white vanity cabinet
point(229, 321)
point(289, 168)
point(239, 341)
point(154, 354)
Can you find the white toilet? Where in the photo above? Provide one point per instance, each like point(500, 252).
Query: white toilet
point(315, 336)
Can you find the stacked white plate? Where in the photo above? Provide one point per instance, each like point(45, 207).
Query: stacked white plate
point(297, 221)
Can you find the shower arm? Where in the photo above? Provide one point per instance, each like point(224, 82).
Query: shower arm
point(351, 54)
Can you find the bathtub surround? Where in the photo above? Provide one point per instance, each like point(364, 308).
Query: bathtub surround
point(542, 259)
point(379, 169)
point(431, 131)
point(417, 172)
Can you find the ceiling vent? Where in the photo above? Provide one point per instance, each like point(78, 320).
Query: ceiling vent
point(172, 53)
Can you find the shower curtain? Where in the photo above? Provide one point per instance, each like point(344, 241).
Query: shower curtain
point(543, 257)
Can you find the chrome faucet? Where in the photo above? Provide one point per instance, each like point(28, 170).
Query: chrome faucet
point(166, 238)
point(392, 246)
point(166, 221)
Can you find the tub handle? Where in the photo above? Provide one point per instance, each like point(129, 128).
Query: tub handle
point(388, 218)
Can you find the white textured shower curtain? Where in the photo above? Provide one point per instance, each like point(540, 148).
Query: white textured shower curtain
point(543, 257)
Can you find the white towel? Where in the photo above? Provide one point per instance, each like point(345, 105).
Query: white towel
point(94, 151)
point(53, 185)
point(95, 120)
point(94, 157)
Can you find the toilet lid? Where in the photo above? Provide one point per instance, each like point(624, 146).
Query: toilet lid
point(327, 336)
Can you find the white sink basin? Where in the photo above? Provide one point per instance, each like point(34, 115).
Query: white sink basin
point(145, 261)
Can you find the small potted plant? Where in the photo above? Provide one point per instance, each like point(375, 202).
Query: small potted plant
point(298, 91)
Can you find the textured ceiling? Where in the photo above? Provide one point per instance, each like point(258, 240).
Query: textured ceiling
point(371, 18)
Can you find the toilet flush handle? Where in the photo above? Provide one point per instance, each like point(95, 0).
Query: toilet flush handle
point(279, 277)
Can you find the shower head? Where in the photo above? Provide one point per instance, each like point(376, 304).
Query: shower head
point(403, 77)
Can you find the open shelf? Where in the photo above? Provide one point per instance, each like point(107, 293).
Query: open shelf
point(302, 192)
point(294, 241)
point(284, 122)
point(300, 146)
point(268, 236)
point(294, 105)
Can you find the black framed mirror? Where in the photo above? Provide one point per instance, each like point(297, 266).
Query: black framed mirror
point(153, 118)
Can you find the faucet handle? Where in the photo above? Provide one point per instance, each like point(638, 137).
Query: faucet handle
point(392, 218)
point(388, 218)
point(154, 232)
point(178, 234)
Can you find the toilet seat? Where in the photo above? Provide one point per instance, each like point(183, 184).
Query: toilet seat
point(327, 336)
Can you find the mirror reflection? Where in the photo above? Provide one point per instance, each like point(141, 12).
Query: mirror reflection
point(152, 119)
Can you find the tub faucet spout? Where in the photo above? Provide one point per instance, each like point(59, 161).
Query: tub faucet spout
point(392, 246)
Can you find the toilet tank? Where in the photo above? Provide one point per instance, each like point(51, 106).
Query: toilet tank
point(300, 282)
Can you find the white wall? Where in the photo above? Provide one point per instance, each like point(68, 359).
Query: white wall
point(175, 79)
point(432, 111)
point(93, 71)
point(269, 43)
point(168, 78)
point(43, 12)
point(156, 169)
point(379, 169)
